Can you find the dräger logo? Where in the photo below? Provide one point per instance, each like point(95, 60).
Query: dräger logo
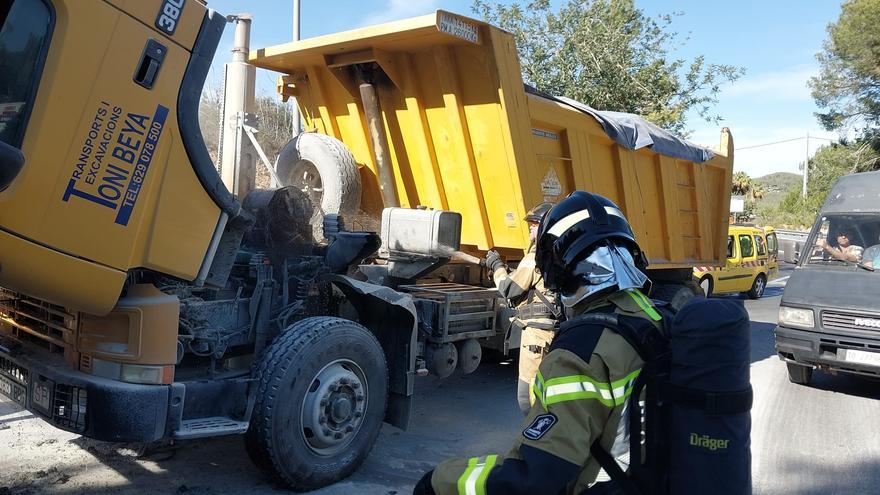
point(706, 442)
point(866, 322)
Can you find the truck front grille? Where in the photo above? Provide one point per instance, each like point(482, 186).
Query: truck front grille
point(37, 321)
point(850, 321)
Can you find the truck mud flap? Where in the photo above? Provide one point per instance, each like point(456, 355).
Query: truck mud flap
point(392, 317)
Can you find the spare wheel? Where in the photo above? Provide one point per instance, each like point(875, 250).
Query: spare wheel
point(324, 169)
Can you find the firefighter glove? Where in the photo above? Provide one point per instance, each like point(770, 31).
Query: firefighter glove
point(493, 261)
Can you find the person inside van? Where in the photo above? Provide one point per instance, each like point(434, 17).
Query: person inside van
point(871, 257)
point(845, 250)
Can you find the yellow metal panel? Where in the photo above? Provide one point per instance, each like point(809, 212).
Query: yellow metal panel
point(188, 22)
point(56, 277)
point(465, 136)
point(106, 178)
point(671, 206)
point(183, 220)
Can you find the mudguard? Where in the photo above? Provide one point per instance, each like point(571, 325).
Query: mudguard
point(392, 317)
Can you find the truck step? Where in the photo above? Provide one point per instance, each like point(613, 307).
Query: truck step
point(209, 427)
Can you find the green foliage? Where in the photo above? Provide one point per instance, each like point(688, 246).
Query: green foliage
point(608, 54)
point(743, 185)
point(826, 166)
point(848, 86)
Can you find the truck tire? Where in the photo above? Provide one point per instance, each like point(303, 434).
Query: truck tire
point(323, 389)
point(800, 374)
point(325, 170)
point(758, 286)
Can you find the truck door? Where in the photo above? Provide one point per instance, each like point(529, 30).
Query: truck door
point(106, 180)
point(723, 277)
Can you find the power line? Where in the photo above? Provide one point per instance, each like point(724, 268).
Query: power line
point(780, 142)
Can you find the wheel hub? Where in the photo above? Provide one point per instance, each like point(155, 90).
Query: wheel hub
point(334, 407)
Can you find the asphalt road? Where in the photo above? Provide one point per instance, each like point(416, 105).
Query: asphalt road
point(821, 439)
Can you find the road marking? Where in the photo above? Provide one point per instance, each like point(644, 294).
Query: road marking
point(780, 280)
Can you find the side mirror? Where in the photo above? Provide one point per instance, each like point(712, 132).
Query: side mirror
point(11, 162)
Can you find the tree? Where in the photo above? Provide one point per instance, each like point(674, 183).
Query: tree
point(826, 166)
point(274, 123)
point(848, 86)
point(743, 185)
point(611, 56)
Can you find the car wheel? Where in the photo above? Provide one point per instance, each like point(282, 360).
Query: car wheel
point(800, 374)
point(758, 287)
point(320, 403)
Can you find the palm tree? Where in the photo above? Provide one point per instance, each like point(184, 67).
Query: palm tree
point(741, 184)
point(756, 191)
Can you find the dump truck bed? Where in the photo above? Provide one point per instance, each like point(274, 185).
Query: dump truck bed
point(464, 135)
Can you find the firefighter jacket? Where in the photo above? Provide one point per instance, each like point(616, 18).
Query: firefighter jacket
point(581, 391)
point(520, 286)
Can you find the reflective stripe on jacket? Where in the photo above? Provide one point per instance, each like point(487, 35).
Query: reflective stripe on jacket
point(580, 389)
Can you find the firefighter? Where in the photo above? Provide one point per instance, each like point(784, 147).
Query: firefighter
point(534, 304)
point(587, 253)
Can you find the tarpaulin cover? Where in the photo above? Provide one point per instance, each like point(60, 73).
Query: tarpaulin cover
point(710, 453)
point(634, 132)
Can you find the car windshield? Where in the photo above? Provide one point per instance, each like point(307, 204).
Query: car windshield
point(846, 241)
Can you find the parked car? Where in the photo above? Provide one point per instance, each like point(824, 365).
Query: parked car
point(752, 261)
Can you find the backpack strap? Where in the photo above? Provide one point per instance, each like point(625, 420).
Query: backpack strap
point(648, 342)
point(712, 403)
point(612, 468)
point(552, 307)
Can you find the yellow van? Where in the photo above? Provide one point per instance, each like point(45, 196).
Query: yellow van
point(752, 261)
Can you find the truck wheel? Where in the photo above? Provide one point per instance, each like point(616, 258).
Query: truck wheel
point(758, 287)
point(320, 403)
point(325, 170)
point(706, 285)
point(800, 374)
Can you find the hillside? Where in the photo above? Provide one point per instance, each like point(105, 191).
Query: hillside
point(776, 185)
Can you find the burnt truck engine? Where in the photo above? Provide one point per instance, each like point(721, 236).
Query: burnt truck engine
point(276, 276)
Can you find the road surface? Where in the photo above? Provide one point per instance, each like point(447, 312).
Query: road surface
point(821, 439)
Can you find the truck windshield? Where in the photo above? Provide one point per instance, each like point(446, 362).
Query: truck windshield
point(25, 27)
point(846, 240)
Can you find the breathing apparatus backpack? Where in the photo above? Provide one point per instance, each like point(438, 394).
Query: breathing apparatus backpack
point(694, 434)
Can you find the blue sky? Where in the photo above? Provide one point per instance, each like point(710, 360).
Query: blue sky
point(775, 41)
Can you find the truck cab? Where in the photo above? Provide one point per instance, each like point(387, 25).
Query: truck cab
point(828, 317)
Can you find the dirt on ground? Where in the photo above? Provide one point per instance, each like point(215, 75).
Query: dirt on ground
point(463, 414)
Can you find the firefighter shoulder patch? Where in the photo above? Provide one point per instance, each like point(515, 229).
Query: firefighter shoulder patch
point(539, 426)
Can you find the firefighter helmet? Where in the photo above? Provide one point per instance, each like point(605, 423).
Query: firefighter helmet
point(537, 213)
point(572, 229)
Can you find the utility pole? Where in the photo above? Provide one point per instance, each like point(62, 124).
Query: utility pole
point(806, 167)
point(295, 117)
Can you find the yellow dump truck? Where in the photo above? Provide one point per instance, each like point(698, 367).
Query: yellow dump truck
point(140, 300)
point(436, 114)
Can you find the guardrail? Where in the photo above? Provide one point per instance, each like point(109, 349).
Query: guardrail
point(792, 234)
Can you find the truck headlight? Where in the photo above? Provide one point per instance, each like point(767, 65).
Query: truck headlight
point(796, 317)
point(133, 373)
